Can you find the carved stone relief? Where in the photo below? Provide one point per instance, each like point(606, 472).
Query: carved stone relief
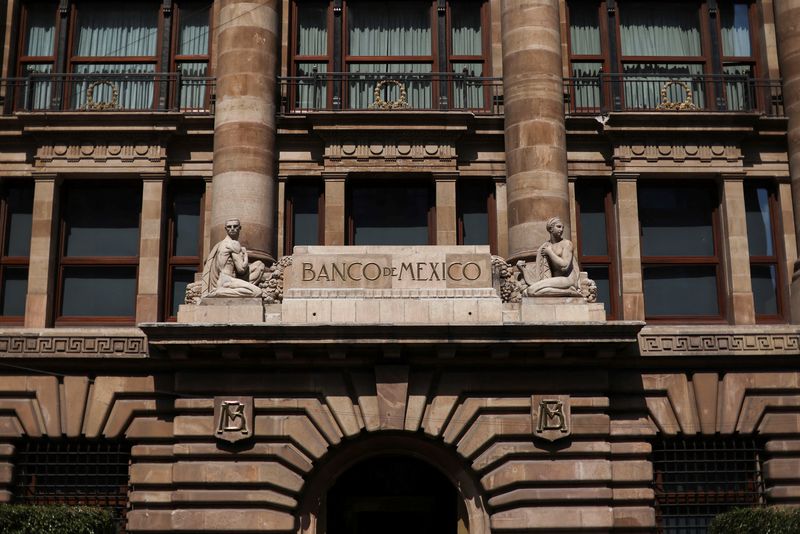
point(552, 417)
point(233, 418)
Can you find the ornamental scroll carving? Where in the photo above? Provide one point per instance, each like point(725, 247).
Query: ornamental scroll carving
point(229, 273)
point(554, 272)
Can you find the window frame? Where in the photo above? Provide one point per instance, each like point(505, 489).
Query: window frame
point(11, 261)
point(389, 183)
point(23, 59)
point(689, 261)
point(176, 59)
point(342, 56)
point(491, 210)
point(774, 259)
point(288, 221)
point(609, 260)
point(66, 262)
point(171, 260)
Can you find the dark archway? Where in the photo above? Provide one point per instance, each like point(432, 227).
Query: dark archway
point(470, 508)
point(392, 495)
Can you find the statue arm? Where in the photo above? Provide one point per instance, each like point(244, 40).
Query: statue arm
point(563, 261)
point(240, 261)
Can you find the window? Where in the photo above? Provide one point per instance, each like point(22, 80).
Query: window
point(111, 54)
point(477, 215)
point(596, 250)
point(99, 251)
point(652, 58)
point(73, 472)
point(305, 223)
point(698, 478)
point(16, 212)
point(765, 273)
point(401, 41)
point(184, 239)
point(680, 251)
point(391, 213)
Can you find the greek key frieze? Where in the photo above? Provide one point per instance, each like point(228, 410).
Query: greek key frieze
point(34, 345)
point(712, 344)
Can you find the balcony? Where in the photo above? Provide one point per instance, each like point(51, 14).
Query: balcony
point(667, 92)
point(150, 92)
point(391, 91)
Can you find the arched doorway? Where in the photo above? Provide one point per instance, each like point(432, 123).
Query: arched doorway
point(348, 466)
point(394, 495)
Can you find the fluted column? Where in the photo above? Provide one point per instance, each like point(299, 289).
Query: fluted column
point(787, 29)
point(244, 123)
point(535, 137)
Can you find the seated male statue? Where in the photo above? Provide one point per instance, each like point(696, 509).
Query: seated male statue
point(556, 271)
point(228, 271)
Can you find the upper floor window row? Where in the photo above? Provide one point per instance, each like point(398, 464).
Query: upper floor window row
point(429, 47)
point(703, 53)
point(110, 52)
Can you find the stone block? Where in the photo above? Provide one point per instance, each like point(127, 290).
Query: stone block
point(561, 309)
point(551, 518)
point(632, 471)
point(634, 517)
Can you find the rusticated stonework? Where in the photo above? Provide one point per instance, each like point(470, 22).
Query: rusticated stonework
point(48, 346)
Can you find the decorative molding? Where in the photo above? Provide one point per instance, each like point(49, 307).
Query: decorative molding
point(233, 418)
point(710, 344)
point(22, 345)
point(376, 151)
point(551, 416)
point(677, 153)
point(103, 152)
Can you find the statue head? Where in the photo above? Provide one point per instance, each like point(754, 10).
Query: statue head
point(555, 227)
point(232, 228)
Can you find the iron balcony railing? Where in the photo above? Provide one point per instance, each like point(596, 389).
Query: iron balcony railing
point(45, 92)
point(391, 91)
point(592, 95)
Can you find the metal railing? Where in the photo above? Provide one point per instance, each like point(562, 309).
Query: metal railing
point(393, 91)
point(592, 95)
point(46, 92)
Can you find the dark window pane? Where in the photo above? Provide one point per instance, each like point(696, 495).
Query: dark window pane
point(473, 209)
point(15, 289)
point(680, 290)
point(592, 202)
point(677, 221)
point(391, 215)
point(645, 31)
point(102, 219)
point(765, 289)
point(584, 29)
point(759, 224)
point(389, 28)
point(99, 291)
point(41, 30)
point(465, 23)
point(600, 276)
point(312, 29)
point(305, 214)
point(193, 29)
point(20, 214)
point(181, 277)
point(186, 206)
point(735, 29)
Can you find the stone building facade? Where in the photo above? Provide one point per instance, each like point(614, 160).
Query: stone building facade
point(358, 143)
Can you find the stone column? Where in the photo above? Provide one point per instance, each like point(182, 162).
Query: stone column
point(244, 123)
point(535, 137)
point(44, 243)
point(737, 252)
point(787, 29)
point(335, 227)
point(446, 222)
point(630, 248)
point(150, 263)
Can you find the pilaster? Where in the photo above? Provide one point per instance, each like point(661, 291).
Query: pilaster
point(335, 227)
point(150, 248)
point(737, 252)
point(44, 250)
point(630, 255)
point(446, 222)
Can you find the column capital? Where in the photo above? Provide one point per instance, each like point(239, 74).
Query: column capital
point(733, 176)
point(445, 176)
point(154, 176)
point(331, 176)
point(625, 176)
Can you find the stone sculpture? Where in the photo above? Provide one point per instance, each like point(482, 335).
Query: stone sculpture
point(554, 273)
point(228, 272)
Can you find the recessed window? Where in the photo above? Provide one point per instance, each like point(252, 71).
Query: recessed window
point(697, 478)
point(112, 51)
point(304, 219)
point(628, 56)
point(477, 213)
point(99, 251)
point(596, 250)
point(185, 225)
point(391, 213)
point(402, 42)
point(762, 241)
point(16, 210)
point(72, 472)
point(680, 258)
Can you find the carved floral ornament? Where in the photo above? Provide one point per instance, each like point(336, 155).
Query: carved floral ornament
point(92, 105)
point(380, 103)
point(667, 104)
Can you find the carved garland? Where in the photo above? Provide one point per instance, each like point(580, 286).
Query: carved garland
point(102, 106)
point(667, 104)
point(380, 103)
